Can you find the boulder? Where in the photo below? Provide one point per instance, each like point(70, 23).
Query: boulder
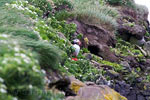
point(112, 73)
point(96, 64)
point(88, 56)
point(99, 39)
point(132, 24)
point(129, 33)
point(93, 92)
point(147, 48)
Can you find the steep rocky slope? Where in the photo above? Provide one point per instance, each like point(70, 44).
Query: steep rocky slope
point(35, 56)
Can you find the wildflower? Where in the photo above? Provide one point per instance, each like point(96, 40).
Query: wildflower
point(14, 6)
point(4, 35)
point(17, 60)
point(26, 1)
point(16, 49)
point(1, 80)
point(3, 90)
point(43, 71)
point(23, 55)
point(30, 86)
point(27, 61)
point(7, 4)
point(15, 98)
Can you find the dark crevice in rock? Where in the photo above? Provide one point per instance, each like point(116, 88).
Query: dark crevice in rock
point(93, 49)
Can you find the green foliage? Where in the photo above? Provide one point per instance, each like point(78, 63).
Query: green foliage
point(19, 69)
point(82, 69)
point(3, 2)
point(102, 2)
point(48, 55)
point(65, 3)
point(128, 3)
point(26, 8)
point(63, 27)
point(63, 15)
point(130, 24)
point(21, 75)
point(125, 49)
point(132, 77)
point(114, 2)
point(115, 66)
point(44, 5)
point(3, 91)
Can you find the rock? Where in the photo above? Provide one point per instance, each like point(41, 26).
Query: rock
point(125, 64)
point(132, 61)
point(76, 84)
point(132, 96)
point(143, 52)
point(62, 84)
point(134, 40)
point(89, 83)
point(92, 91)
point(101, 80)
point(131, 24)
point(134, 33)
point(147, 48)
point(112, 74)
point(96, 64)
point(140, 97)
point(97, 93)
point(99, 39)
point(88, 56)
point(61, 35)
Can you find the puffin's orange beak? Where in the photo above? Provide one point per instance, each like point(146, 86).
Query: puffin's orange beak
point(79, 43)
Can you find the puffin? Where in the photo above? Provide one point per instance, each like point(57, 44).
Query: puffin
point(76, 46)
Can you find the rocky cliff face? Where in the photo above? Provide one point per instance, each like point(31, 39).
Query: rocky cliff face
point(122, 54)
point(132, 27)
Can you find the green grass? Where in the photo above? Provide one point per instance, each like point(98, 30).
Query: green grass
point(20, 27)
point(15, 23)
point(3, 2)
point(92, 12)
point(48, 55)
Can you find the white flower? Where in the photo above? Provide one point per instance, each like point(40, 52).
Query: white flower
point(7, 4)
point(34, 13)
point(14, 6)
point(26, 1)
point(16, 49)
point(4, 61)
point(19, 69)
point(35, 69)
point(1, 80)
point(20, 8)
point(66, 68)
point(30, 11)
point(4, 35)
point(27, 61)
point(2, 41)
point(3, 86)
point(26, 8)
point(30, 86)
point(15, 42)
point(23, 55)
point(3, 90)
point(17, 54)
point(80, 75)
point(15, 98)
point(43, 71)
point(17, 60)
